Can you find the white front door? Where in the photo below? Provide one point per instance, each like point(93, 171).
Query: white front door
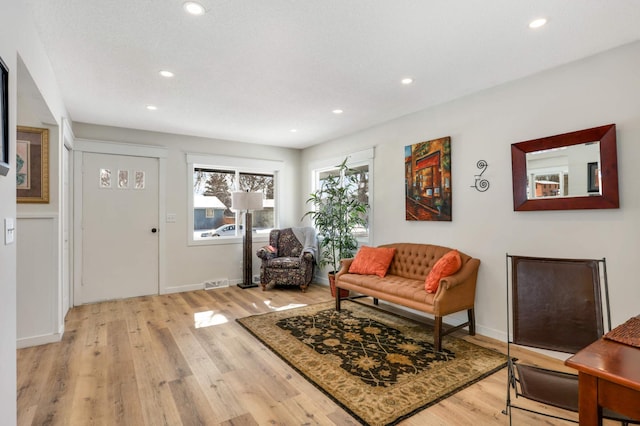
point(120, 218)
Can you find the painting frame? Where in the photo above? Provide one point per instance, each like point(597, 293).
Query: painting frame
point(32, 165)
point(428, 189)
point(593, 180)
point(4, 118)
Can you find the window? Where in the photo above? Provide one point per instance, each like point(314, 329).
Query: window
point(211, 217)
point(361, 164)
point(263, 220)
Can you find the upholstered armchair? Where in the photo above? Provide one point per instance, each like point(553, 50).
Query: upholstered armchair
point(289, 258)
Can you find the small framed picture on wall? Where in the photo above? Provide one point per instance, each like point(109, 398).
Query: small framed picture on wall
point(32, 165)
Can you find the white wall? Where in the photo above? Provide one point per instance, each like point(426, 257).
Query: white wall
point(17, 37)
point(187, 266)
point(8, 252)
point(38, 290)
point(595, 91)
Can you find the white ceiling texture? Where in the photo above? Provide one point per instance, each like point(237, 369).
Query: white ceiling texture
point(253, 70)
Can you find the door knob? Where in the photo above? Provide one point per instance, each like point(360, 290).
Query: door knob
point(154, 230)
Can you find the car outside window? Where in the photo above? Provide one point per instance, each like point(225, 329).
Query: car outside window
point(212, 214)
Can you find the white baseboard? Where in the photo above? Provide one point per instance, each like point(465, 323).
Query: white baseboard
point(27, 342)
point(182, 288)
point(198, 286)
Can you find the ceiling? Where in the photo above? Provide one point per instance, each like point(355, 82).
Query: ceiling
point(253, 70)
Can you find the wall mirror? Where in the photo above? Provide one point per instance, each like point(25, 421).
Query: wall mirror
point(576, 170)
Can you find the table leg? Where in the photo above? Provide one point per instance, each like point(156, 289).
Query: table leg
point(589, 411)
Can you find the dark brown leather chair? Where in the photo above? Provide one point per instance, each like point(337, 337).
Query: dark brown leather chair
point(556, 305)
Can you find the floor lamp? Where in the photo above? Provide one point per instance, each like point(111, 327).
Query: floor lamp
point(247, 202)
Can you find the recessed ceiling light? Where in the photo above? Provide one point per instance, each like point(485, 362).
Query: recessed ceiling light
point(293, 130)
point(337, 111)
point(406, 81)
point(537, 23)
point(152, 107)
point(166, 73)
point(193, 8)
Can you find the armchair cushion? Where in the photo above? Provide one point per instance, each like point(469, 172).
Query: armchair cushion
point(284, 263)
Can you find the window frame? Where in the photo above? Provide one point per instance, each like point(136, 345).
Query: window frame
point(237, 165)
point(355, 159)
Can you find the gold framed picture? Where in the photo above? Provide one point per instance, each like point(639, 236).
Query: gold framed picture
point(32, 165)
point(427, 177)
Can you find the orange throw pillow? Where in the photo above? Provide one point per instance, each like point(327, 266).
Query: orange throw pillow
point(372, 261)
point(447, 265)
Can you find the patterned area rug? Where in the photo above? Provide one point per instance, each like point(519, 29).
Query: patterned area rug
point(380, 367)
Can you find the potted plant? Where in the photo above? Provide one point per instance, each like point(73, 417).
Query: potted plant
point(337, 212)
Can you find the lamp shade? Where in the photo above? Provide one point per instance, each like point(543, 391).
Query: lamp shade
point(246, 201)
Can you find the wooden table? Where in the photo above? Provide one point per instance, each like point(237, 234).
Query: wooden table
point(609, 376)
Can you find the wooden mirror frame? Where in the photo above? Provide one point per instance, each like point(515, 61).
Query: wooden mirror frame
point(609, 199)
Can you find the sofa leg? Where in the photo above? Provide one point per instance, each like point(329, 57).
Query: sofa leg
point(472, 322)
point(437, 334)
point(375, 301)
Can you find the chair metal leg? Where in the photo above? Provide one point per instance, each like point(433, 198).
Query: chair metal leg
point(510, 383)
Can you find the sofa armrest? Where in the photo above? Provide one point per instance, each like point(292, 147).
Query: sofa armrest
point(458, 291)
point(344, 266)
point(469, 271)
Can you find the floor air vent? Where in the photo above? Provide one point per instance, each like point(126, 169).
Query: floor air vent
point(219, 283)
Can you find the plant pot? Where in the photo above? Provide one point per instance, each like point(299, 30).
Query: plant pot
point(332, 284)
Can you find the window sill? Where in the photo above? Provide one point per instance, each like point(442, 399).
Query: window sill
point(216, 241)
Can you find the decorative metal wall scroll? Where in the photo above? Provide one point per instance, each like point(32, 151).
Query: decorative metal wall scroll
point(481, 184)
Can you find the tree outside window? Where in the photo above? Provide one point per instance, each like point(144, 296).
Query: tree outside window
point(212, 190)
point(253, 182)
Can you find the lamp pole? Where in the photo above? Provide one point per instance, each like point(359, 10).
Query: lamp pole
point(247, 255)
point(247, 202)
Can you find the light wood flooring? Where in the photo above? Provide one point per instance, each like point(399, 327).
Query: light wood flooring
point(182, 359)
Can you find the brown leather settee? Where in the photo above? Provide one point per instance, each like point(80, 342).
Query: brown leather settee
point(404, 284)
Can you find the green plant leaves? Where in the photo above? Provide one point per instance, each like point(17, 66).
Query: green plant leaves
point(337, 211)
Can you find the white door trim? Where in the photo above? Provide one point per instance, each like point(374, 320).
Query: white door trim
point(66, 215)
point(117, 148)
